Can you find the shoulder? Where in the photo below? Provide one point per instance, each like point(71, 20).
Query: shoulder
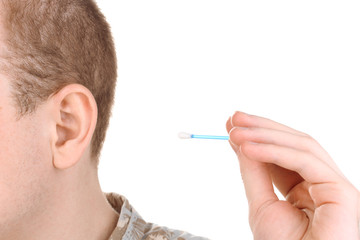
point(131, 226)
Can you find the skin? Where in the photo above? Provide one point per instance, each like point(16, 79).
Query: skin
point(320, 202)
point(48, 182)
point(50, 187)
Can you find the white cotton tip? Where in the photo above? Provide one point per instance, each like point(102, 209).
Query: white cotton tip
point(184, 135)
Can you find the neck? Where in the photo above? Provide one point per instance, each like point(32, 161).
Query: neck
point(77, 209)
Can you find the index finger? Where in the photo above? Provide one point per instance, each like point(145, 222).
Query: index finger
point(240, 119)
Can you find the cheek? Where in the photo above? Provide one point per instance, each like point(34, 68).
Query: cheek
point(23, 170)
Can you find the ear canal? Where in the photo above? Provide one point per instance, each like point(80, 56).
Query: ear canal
point(66, 129)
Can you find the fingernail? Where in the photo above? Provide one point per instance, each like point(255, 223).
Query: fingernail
point(237, 129)
point(240, 112)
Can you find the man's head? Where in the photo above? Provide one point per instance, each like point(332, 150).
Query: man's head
point(48, 44)
point(57, 83)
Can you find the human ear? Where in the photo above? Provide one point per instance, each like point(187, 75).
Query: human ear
point(74, 115)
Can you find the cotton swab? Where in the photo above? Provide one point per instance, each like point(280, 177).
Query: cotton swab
point(184, 135)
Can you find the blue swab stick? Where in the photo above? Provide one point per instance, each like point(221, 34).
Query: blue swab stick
point(184, 135)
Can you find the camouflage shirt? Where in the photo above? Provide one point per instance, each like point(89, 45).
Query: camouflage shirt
point(131, 226)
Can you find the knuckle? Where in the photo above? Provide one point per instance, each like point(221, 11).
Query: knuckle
point(309, 143)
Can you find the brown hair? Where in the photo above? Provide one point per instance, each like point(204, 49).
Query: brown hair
point(53, 43)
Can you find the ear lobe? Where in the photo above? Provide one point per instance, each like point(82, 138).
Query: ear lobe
point(75, 115)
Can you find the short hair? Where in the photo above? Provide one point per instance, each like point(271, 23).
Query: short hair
point(52, 43)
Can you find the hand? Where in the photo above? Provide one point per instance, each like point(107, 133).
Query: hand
point(320, 202)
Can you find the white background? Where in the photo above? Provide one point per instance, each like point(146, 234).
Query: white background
point(188, 65)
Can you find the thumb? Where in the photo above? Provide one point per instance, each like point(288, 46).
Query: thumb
point(256, 177)
point(257, 183)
